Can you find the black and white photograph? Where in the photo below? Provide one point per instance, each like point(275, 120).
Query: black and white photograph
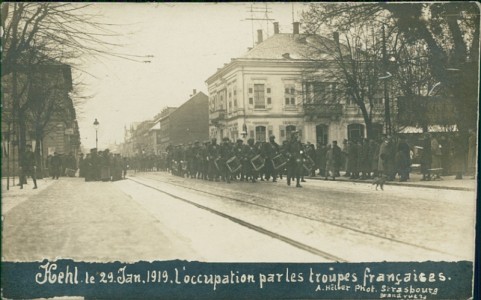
point(191, 149)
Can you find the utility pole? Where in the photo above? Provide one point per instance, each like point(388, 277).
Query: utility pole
point(256, 10)
point(387, 109)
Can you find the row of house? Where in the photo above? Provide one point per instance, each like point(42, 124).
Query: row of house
point(172, 126)
point(282, 85)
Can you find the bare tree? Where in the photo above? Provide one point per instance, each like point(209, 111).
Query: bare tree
point(355, 73)
point(450, 31)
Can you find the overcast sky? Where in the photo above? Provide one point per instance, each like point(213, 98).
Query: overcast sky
point(188, 41)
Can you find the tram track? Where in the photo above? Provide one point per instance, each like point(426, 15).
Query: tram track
point(251, 226)
point(272, 234)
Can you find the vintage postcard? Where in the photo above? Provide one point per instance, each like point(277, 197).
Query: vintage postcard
point(255, 150)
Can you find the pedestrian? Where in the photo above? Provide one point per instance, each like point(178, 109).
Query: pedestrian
point(459, 155)
point(436, 154)
point(426, 157)
point(403, 161)
point(56, 164)
point(28, 167)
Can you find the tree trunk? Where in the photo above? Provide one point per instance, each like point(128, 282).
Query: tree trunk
point(38, 154)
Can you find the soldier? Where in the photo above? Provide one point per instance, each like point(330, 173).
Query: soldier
point(212, 156)
point(197, 160)
point(225, 154)
point(296, 156)
point(333, 160)
point(189, 158)
point(311, 152)
point(250, 151)
point(28, 167)
point(270, 150)
point(204, 155)
point(239, 152)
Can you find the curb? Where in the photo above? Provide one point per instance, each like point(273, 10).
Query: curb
point(409, 184)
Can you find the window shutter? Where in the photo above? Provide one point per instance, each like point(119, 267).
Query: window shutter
point(270, 131)
point(250, 96)
point(300, 135)
point(251, 131)
point(268, 96)
point(299, 93)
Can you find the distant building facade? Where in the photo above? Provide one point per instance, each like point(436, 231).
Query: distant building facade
point(172, 126)
point(186, 124)
point(50, 122)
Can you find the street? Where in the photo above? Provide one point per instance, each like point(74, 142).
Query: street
point(157, 216)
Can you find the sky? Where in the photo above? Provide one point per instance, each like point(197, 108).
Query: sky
point(188, 43)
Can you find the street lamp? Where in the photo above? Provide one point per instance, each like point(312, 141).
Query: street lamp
point(96, 126)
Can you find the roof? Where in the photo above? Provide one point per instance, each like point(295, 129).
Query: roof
point(286, 47)
point(292, 46)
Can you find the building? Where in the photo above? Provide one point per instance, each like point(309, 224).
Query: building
point(186, 124)
point(270, 91)
point(172, 126)
point(46, 116)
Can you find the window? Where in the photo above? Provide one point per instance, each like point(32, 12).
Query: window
point(355, 132)
point(290, 95)
point(261, 133)
point(269, 100)
point(322, 134)
point(320, 92)
point(250, 90)
point(377, 100)
point(290, 129)
point(268, 90)
point(259, 97)
point(251, 101)
point(376, 131)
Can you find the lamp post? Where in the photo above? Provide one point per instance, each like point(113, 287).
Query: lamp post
point(96, 126)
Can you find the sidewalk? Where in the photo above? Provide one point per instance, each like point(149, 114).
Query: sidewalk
point(446, 182)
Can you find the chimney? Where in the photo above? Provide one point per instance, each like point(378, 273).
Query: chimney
point(276, 27)
point(259, 36)
point(296, 27)
point(194, 92)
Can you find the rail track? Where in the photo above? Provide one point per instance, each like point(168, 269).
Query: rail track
point(297, 244)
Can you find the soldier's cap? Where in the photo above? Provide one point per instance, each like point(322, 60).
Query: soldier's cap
point(272, 136)
point(225, 139)
point(240, 140)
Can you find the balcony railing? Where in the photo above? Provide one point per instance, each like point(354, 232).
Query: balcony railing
point(217, 115)
point(323, 109)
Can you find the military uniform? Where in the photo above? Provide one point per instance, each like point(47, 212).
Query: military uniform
point(271, 149)
point(225, 154)
point(250, 151)
point(212, 155)
point(295, 163)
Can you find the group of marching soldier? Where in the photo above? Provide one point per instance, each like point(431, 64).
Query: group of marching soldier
point(238, 161)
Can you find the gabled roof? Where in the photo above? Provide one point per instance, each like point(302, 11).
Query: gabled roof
point(293, 46)
point(288, 48)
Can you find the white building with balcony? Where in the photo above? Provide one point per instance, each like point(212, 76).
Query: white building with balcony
point(270, 91)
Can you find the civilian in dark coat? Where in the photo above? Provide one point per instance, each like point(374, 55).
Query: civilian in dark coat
point(426, 157)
